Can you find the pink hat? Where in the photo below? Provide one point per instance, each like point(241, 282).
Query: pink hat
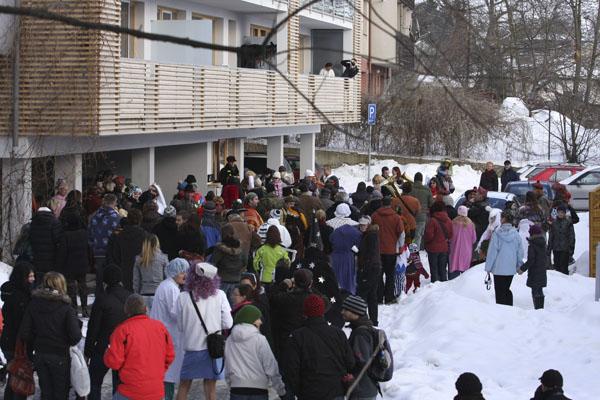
point(463, 211)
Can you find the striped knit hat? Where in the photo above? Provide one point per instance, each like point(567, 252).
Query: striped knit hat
point(356, 305)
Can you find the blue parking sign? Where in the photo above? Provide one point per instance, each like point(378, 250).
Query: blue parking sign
point(372, 114)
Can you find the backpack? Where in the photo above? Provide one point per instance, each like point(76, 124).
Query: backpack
point(382, 367)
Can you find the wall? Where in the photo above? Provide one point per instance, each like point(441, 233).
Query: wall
point(383, 45)
point(200, 30)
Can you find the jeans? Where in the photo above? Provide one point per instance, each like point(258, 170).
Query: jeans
point(386, 289)
point(169, 390)
point(8, 393)
point(248, 396)
point(561, 261)
point(419, 232)
point(97, 372)
point(438, 266)
point(502, 288)
point(368, 285)
point(54, 374)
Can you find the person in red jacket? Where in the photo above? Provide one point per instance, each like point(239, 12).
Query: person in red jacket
point(438, 233)
point(141, 350)
point(391, 228)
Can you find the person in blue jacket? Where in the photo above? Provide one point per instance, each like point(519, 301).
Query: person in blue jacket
point(504, 257)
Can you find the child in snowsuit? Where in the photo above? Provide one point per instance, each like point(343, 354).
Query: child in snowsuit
point(414, 269)
point(536, 265)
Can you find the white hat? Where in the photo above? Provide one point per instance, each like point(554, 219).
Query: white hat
point(277, 175)
point(206, 269)
point(309, 173)
point(342, 210)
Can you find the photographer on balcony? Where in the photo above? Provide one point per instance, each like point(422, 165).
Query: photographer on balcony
point(350, 68)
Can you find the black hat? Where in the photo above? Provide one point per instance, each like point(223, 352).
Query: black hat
point(303, 278)
point(418, 177)
point(231, 159)
point(507, 162)
point(552, 379)
point(387, 201)
point(190, 179)
point(112, 274)
point(468, 384)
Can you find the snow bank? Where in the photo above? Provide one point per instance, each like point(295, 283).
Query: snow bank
point(515, 106)
point(449, 328)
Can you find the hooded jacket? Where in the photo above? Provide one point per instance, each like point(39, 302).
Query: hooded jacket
point(505, 253)
point(265, 261)
point(47, 240)
point(249, 361)
point(124, 245)
point(390, 228)
point(227, 257)
point(166, 231)
point(50, 323)
point(536, 262)
point(435, 237)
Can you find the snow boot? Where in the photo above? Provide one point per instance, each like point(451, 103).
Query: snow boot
point(538, 302)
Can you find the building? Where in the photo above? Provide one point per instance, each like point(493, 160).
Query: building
point(387, 43)
point(158, 111)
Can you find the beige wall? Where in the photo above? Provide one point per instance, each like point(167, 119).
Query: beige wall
point(383, 45)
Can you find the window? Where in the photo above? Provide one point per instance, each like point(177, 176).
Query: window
point(591, 178)
point(124, 24)
point(535, 171)
point(168, 14)
point(561, 174)
point(259, 31)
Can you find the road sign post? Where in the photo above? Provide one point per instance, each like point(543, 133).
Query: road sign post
point(371, 118)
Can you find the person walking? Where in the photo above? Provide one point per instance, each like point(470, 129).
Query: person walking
point(166, 231)
point(47, 240)
point(489, 178)
point(438, 233)
point(318, 356)
point(504, 257)
point(164, 309)
point(369, 266)
point(78, 258)
point(461, 244)
point(107, 313)
point(16, 295)
point(51, 325)
point(423, 194)
point(562, 240)
point(149, 269)
point(102, 224)
point(536, 265)
point(344, 246)
point(267, 256)
point(249, 362)
point(508, 175)
point(141, 350)
point(202, 300)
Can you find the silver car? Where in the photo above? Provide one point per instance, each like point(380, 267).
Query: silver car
point(580, 185)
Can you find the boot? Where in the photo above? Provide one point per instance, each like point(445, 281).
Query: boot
point(538, 302)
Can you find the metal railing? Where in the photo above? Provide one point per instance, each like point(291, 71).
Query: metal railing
point(334, 8)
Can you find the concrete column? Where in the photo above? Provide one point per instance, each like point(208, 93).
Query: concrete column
point(69, 168)
point(238, 152)
point(16, 202)
point(274, 152)
point(142, 167)
point(307, 152)
point(175, 163)
point(225, 41)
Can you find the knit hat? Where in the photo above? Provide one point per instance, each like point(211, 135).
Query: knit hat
point(535, 230)
point(303, 278)
point(376, 195)
point(552, 379)
point(468, 384)
point(209, 206)
point(206, 269)
point(314, 306)
point(506, 163)
point(418, 177)
point(342, 211)
point(364, 220)
point(463, 211)
point(355, 304)
point(176, 266)
point(247, 315)
point(112, 275)
point(275, 213)
point(249, 197)
point(250, 276)
point(170, 211)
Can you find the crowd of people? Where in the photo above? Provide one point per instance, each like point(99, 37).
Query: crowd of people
point(277, 267)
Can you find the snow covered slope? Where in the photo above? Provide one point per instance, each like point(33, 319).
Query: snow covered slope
point(449, 328)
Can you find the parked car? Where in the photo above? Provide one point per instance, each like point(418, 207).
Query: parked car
point(520, 189)
point(580, 185)
point(551, 172)
point(494, 199)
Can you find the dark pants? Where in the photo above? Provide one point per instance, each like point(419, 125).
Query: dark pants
point(386, 289)
point(502, 288)
point(99, 262)
point(367, 288)
point(54, 376)
point(234, 396)
point(77, 286)
point(453, 275)
point(8, 393)
point(97, 372)
point(438, 266)
point(561, 261)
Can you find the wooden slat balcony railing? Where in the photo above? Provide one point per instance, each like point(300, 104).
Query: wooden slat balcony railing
point(144, 96)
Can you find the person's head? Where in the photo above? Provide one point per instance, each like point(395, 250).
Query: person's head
point(413, 248)
point(480, 194)
point(169, 212)
point(112, 275)
point(506, 217)
point(386, 201)
point(353, 61)
point(248, 278)
point(551, 379)
point(341, 197)
point(251, 200)
point(242, 293)
point(407, 187)
point(176, 269)
point(561, 211)
point(202, 280)
point(396, 171)
point(290, 201)
point(150, 248)
point(248, 314)
point(62, 188)
point(55, 281)
point(342, 211)
point(507, 164)
point(433, 183)
point(303, 278)
point(270, 187)
point(385, 172)
point(418, 177)
point(181, 217)
point(327, 170)
point(489, 166)
point(303, 187)
point(437, 206)
point(74, 198)
point(463, 211)
point(109, 200)
point(314, 306)
point(468, 384)
point(282, 169)
point(194, 221)
point(22, 276)
point(354, 308)
point(328, 66)
point(364, 222)
point(273, 236)
point(231, 160)
point(153, 190)
point(150, 208)
point(309, 174)
point(535, 230)
point(135, 305)
point(530, 197)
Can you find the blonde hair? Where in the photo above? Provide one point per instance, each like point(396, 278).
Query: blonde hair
point(149, 248)
point(464, 221)
point(55, 281)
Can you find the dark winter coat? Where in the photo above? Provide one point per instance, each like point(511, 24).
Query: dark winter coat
point(150, 220)
point(435, 238)
point(47, 240)
point(50, 323)
point(562, 236)
point(101, 227)
point(361, 342)
point(107, 313)
point(226, 172)
point(489, 181)
point(286, 314)
point(317, 357)
point(423, 194)
point(15, 300)
point(191, 240)
point(480, 216)
point(227, 257)
point(508, 175)
point(552, 394)
point(166, 231)
point(124, 245)
point(359, 198)
point(308, 204)
point(536, 262)
point(78, 254)
point(369, 258)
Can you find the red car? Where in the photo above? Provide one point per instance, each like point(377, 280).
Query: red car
point(553, 172)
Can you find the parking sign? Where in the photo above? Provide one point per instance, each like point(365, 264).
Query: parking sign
point(372, 114)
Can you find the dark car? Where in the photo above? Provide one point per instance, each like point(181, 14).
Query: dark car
point(520, 188)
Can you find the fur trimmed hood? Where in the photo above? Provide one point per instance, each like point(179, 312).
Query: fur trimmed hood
point(52, 295)
point(228, 249)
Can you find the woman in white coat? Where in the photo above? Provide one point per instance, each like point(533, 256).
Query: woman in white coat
point(164, 309)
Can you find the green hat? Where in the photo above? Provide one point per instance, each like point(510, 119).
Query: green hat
point(247, 315)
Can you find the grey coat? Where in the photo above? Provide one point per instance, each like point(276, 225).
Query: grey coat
point(423, 194)
point(147, 279)
point(562, 236)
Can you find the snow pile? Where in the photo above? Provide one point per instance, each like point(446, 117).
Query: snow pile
point(449, 328)
point(515, 106)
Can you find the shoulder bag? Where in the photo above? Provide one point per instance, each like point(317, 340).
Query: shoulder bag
point(215, 341)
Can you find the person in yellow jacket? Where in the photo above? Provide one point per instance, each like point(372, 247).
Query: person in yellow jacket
point(268, 255)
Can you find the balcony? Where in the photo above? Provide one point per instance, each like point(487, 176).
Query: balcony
point(342, 9)
point(147, 97)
